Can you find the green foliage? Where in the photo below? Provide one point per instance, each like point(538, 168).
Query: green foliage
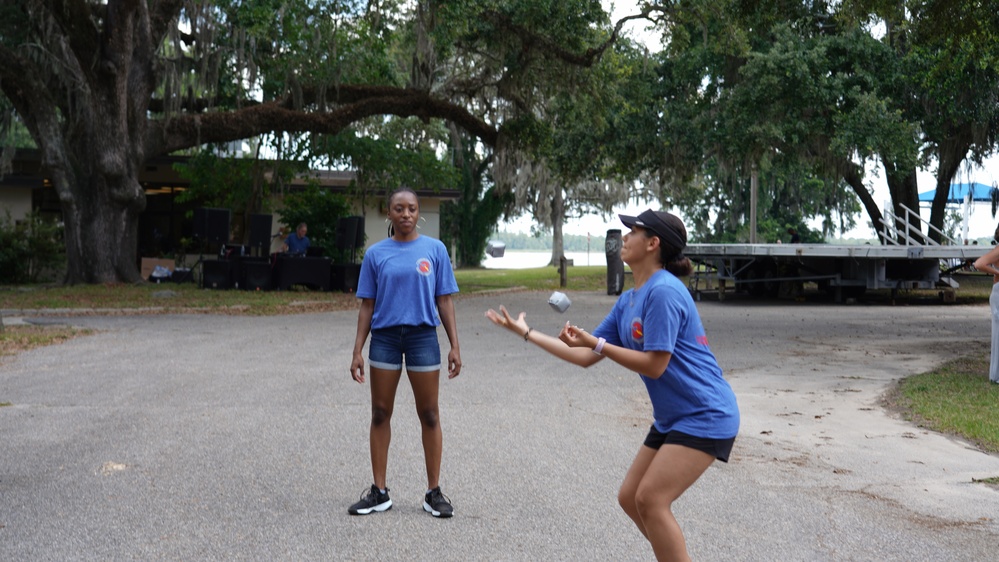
point(398, 157)
point(238, 184)
point(29, 248)
point(786, 90)
point(467, 222)
point(321, 210)
point(284, 46)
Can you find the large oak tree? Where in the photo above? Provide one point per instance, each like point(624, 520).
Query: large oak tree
point(102, 85)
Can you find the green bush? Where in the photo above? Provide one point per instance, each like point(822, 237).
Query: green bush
point(29, 248)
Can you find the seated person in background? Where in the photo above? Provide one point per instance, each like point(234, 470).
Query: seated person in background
point(297, 242)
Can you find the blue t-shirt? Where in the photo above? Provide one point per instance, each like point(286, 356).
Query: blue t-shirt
point(297, 245)
point(405, 279)
point(691, 396)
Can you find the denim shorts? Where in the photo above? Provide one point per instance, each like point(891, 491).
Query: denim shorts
point(417, 343)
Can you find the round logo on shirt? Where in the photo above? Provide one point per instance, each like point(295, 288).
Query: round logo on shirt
point(423, 267)
point(637, 330)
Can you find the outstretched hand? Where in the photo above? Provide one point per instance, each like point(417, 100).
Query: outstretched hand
point(504, 320)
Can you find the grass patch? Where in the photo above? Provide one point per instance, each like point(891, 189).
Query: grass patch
point(578, 278)
point(173, 298)
point(956, 399)
point(15, 339)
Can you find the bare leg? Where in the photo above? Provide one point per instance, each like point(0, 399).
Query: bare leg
point(654, 481)
point(994, 304)
point(383, 386)
point(426, 386)
point(627, 495)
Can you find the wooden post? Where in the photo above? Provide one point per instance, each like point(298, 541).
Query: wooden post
point(754, 187)
point(561, 272)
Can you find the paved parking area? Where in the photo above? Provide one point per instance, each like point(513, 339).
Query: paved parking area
point(202, 437)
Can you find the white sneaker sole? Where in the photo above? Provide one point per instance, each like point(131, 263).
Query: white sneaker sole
point(380, 507)
point(430, 510)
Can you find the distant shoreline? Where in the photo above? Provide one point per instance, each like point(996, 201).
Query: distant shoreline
point(528, 259)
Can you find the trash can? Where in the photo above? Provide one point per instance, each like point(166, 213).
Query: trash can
point(615, 267)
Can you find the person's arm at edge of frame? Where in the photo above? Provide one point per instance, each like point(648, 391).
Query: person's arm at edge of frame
point(363, 328)
point(445, 307)
point(577, 347)
point(987, 263)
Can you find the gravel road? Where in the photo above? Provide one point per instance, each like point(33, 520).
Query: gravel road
point(203, 437)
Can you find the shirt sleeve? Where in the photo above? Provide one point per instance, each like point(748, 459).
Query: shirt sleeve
point(608, 327)
point(446, 284)
point(663, 317)
point(367, 282)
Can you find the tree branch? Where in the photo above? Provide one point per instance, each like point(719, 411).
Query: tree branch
point(585, 59)
point(22, 86)
point(161, 16)
point(356, 103)
point(76, 21)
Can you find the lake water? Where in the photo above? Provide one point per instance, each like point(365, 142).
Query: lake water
point(526, 260)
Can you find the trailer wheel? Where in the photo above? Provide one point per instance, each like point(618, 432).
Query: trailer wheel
point(771, 289)
point(763, 274)
point(854, 291)
point(755, 276)
point(824, 286)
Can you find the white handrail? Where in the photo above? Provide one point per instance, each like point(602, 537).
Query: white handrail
point(892, 235)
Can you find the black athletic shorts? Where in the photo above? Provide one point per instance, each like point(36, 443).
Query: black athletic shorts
point(718, 448)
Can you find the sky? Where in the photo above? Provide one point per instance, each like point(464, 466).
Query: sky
point(981, 224)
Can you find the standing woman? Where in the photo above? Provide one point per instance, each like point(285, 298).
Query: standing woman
point(405, 288)
point(655, 330)
point(988, 264)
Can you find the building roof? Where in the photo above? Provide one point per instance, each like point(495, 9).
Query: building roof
point(959, 192)
point(159, 173)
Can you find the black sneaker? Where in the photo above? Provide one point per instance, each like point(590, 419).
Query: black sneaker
point(437, 504)
point(371, 501)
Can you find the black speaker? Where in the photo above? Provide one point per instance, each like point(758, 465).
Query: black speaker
point(350, 233)
point(200, 227)
point(212, 225)
point(216, 274)
point(344, 277)
point(256, 275)
point(260, 231)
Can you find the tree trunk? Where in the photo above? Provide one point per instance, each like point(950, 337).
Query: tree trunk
point(903, 187)
point(852, 177)
point(949, 157)
point(558, 217)
point(101, 230)
point(101, 149)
